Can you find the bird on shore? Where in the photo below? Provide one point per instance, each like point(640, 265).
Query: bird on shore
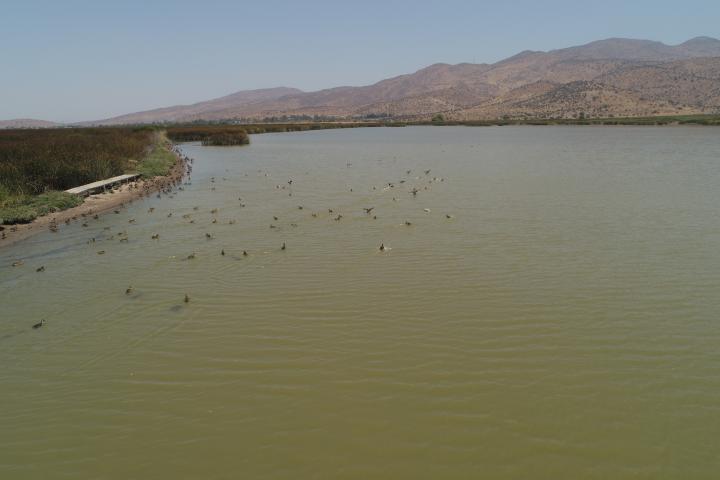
point(245, 254)
point(448, 215)
point(40, 269)
point(156, 236)
point(39, 324)
point(129, 290)
point(275, 218)
point(222, 252)
point(191, 256)
point(208, 236)
point(283, 246)
point(187, 298)
point(382, 247)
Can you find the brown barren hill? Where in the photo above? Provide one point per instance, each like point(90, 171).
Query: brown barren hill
point(612, 77)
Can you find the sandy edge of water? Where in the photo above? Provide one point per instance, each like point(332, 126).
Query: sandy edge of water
point(94, 205)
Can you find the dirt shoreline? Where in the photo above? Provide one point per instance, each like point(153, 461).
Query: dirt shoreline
point(96, 204)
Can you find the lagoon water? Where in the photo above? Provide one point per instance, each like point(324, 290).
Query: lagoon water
point(564, 323)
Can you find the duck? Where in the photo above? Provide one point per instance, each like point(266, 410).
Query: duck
point(39, 324)
point(40, 269)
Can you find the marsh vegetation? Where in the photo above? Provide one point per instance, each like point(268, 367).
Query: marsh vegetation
point(36, 166)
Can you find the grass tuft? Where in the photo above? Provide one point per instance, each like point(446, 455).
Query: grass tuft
point(158, 162)
point(26, 208)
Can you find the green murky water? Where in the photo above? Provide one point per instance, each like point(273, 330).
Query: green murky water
point(564, 323)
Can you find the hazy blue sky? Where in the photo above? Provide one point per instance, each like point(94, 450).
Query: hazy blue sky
point(80, 60)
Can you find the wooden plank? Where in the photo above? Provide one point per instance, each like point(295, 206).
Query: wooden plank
point(86, 189)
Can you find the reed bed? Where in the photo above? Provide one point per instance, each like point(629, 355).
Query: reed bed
point(36, 161)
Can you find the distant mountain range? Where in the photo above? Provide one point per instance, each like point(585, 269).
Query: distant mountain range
point(613, 77)
point(27, 123)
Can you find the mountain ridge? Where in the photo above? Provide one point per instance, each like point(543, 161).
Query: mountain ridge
point(612, 77)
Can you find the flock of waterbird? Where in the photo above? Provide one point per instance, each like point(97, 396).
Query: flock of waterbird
point(181, 177)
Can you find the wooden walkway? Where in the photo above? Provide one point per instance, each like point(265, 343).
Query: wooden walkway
point(102, 184)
